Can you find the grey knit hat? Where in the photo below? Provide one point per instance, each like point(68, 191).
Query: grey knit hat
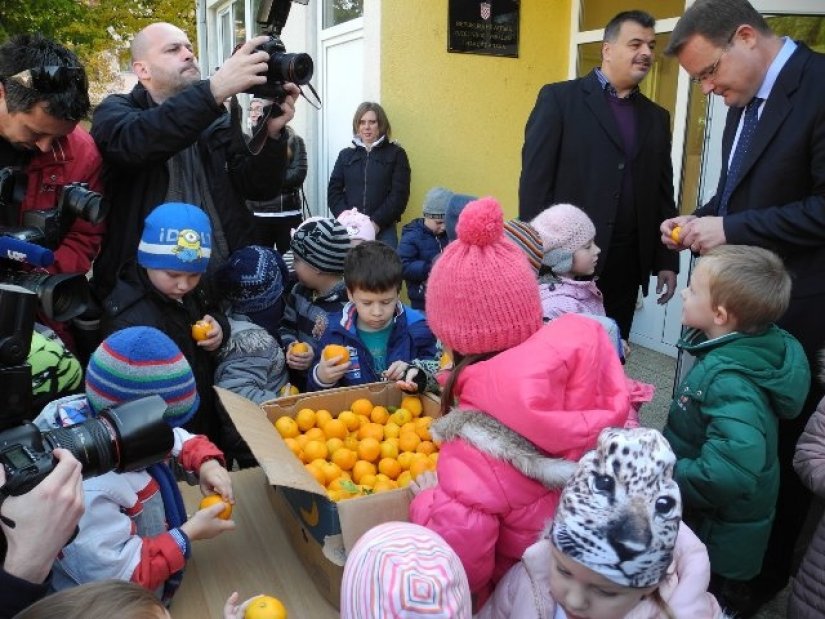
point(322, 244)
point(436, 202)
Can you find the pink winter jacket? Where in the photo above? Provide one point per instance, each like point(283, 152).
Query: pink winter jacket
point(570, 296)
point(524, 592)
point(500, 471)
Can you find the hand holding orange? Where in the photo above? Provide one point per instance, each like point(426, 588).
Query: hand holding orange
point(211, 499)
point(336, 350)
point(675, 233)
point(201, 330)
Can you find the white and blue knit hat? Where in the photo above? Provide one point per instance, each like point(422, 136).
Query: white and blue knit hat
point(176, 237)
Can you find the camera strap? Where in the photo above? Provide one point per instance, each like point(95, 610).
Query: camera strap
point(6, 521)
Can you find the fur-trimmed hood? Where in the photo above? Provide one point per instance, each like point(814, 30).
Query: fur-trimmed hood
point(492, 437)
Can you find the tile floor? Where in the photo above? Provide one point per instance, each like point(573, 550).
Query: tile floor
point(659, 370)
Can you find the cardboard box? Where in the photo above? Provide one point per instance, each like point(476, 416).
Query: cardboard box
point(321, 531)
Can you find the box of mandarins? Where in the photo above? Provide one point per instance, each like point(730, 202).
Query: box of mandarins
point(338, 463)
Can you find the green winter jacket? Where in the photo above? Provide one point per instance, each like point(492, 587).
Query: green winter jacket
point(722, 425)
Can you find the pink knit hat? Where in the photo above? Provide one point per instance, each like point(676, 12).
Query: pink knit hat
point(400, 570)
point(359, 226)
point(482, 294)
point(563, 229)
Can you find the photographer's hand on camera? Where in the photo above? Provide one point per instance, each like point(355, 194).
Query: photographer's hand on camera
point(214, 479)
point(275, 125)
point(44, 518)
point(241, 71)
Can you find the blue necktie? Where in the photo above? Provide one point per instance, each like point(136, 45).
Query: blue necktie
point(743, 145)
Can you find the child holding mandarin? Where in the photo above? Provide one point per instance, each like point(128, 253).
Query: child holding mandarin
point(135, 527)
point(530, 400)
point(162, 288)
point(382, 335)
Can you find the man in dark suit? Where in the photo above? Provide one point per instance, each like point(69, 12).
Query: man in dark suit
point(600, 144)
point(771, 193)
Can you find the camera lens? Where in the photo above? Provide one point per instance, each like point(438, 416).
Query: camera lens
point(295, 68)
point(92, 442)
point(82, 202)
point(128, 437)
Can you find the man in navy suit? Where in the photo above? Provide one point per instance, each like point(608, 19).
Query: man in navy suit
point(771, 194)
point(599, 143)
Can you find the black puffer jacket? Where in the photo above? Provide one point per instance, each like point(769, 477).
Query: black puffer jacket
point(137, 137)
point(136, 302)
point(376, 182)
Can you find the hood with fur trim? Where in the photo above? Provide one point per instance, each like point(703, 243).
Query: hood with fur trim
point(490, 436)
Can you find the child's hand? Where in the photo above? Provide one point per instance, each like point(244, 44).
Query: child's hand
point(427, 479)
point(328, 372)
point(214, 479)
point(625, 350)
point(205, 524)
point(231, 610)
point(407, 381)
point(215, 337)
point(299, 360)
point(396, 371)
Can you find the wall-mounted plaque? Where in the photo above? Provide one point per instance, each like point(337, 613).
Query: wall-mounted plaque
point(484, 27)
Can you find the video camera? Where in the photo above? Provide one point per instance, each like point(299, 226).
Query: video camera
point(29, 238)
point(282, 67)
point(128, 437)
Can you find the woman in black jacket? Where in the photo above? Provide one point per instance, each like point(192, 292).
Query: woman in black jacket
point(372, 175)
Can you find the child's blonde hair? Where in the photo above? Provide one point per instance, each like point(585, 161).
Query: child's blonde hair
point(749, 282)
point(108, 598)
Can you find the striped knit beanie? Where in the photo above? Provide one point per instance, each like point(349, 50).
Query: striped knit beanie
point(400, 570)
point(482, 294)
point(137, 362)
point(322, 244)
point(527, 240)
point(176, 237)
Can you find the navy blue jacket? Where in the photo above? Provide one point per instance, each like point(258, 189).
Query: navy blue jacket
point(410, 339)
point(377, 182)
point(418, 249)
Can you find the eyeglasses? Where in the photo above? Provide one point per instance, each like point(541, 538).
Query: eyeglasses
point(711, 70)
point(50, 78)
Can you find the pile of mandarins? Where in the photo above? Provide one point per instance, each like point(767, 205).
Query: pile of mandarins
point(363, 450)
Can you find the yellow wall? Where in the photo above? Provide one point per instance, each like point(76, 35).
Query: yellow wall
point(461, 117)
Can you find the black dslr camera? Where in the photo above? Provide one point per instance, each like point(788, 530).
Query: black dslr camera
point(125, 438)
point(282, 67)
point(46, 227)
point(62, 296)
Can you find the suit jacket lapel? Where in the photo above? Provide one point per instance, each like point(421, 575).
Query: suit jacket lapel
point(594, 97)
point(777, 108)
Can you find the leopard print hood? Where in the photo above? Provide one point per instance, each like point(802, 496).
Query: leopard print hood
point(619, 514)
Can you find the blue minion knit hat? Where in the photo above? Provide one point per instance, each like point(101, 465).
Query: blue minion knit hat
point(137, 362)
point(176, 237)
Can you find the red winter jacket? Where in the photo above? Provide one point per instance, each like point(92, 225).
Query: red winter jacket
point(73, 158)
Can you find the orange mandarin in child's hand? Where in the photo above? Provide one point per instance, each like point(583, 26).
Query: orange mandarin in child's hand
point(211, 499)
point(201, 330)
